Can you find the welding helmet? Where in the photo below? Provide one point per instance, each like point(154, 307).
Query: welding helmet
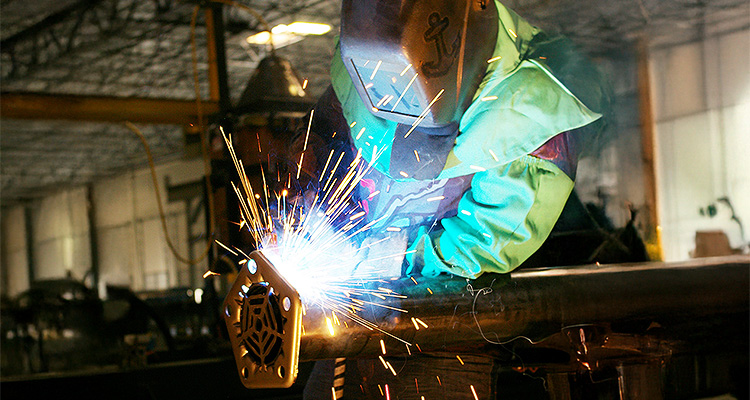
point(418, 61)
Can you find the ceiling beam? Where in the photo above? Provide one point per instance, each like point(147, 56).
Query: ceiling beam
point(101, 109)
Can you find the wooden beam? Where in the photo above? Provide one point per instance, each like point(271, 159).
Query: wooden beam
point(101, 109)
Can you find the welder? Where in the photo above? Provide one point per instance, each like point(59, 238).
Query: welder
point(478, 118)
point(473, 120)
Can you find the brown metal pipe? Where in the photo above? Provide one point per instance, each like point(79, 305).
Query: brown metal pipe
point(466, 316)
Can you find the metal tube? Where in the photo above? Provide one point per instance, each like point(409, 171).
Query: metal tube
point(467, 316)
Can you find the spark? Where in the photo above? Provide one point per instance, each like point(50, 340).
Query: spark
point(466, 212)
point(416, 325)
point(477, 168)
point(382, 346)
point(321, 262)
point(413, 280)
point(494, 156)
point(416, 383)
point(357, 215)
point(474, 392)
point(416, 155)
point(375, 71)
point(209, 273)
point(299, 166)
point(404, 174)
point(393, 229)
point(369, 85)
point(304, 85)
point(359, 135)
point(424, 113)
point(438, 379)
point(512, 33)
point(392, 371)
point(387, 393)
point(493, 59)
point(489, 98)
point(309, 125)
point(436, 198)
point(307, 136)
point(408, 67)
point(226, 248)
point(459, 359)
point(406, 89)
point(420, 322)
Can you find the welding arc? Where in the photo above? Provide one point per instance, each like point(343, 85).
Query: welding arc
point(157, 192)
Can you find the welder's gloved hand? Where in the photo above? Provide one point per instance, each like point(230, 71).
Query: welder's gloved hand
point(501, 221)
point(382, 253)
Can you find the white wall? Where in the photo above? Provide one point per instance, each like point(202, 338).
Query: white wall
point(701, 94)
point(61, 232)
point(131, 246)
point(14, 255)
point(614, 167)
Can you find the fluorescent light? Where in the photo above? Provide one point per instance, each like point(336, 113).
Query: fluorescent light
point(281, 32)
point(281, 28)
point(259, 38)
point(308, 28)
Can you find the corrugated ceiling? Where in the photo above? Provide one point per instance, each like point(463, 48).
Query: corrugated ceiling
point(131, 48)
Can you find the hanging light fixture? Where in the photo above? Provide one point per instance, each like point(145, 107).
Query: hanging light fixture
point(275, 87)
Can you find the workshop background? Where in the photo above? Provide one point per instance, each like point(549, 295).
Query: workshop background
point(79, 211)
